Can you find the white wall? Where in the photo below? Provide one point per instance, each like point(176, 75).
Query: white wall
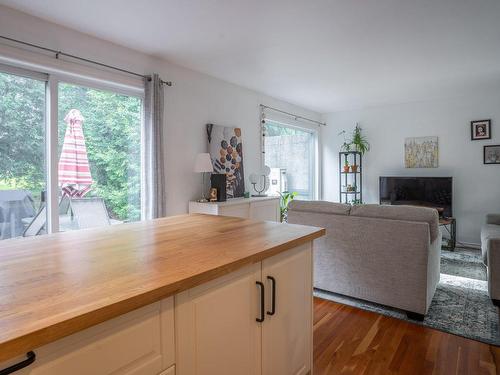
point(476, 186)
point(194, 100)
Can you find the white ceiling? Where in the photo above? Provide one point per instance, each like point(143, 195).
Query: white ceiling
point(325, 55)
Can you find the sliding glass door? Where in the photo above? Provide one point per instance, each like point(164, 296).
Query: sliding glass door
point(96, 169)
point(290, 152)
point(99, 166)
point(22, 152)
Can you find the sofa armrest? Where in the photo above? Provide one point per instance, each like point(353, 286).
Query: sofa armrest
point(493, 219)
point(493, 256)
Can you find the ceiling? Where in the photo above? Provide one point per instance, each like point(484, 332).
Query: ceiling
point(325, 55)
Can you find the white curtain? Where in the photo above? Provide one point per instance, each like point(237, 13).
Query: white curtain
point(154, 193)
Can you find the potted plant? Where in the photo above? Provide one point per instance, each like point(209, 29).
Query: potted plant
point(346, 166)
point(354, 168)
point(346, 146)
point(286, 198)
point(359, 141)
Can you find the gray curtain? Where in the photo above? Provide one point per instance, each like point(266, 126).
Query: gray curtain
point(154, 193)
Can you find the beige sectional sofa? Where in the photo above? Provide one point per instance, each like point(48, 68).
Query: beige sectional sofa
point(385, 254)
point(490, 248)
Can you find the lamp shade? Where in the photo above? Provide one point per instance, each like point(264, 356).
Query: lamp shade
point(203, 163)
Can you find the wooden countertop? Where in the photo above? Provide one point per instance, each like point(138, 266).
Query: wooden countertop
point(55, 285)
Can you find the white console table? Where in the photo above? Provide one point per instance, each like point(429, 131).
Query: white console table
point(265, 208)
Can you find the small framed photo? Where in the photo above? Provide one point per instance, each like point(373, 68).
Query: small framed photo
point(492, 154)
point(480, 129)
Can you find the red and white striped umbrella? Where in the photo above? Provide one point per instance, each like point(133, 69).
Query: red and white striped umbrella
point(74, 171)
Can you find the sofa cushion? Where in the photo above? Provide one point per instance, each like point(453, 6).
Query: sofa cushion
point(406, 213)
point(488, 232)
point(320, 207)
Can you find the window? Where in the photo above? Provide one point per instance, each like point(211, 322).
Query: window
point(290, 152)
point(98, 166)
point(22, 152)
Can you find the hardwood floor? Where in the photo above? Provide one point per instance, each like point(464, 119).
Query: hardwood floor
point(348, 340)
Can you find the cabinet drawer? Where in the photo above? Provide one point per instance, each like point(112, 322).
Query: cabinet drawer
point(130, 344)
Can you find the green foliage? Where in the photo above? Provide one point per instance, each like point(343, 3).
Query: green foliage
point(112, 134)
point(346, 146)
point(358, 141)
point(22, 132)
point(286, 198)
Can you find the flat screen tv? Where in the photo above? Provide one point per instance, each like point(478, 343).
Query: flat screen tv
point(435, 192)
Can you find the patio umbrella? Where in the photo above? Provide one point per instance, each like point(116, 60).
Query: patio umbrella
point(74, 171)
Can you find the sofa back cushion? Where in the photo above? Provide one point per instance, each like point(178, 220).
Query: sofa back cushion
point(320, 207)
point(405, 213)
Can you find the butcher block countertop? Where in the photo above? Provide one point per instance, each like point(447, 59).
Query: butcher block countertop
point(55, 285)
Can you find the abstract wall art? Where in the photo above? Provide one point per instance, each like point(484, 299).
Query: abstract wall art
point(421, 152)
point(226, 151)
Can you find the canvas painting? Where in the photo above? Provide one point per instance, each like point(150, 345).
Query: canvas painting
point(421, 152)
point(226, 151)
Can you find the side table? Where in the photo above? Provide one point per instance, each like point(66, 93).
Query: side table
point(450, 225)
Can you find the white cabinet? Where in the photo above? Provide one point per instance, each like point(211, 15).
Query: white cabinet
point(217, 330)
point(138, 343)
point(266, 208)
point(287, 334)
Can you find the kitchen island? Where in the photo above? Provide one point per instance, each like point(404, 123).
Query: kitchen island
point(185, 295)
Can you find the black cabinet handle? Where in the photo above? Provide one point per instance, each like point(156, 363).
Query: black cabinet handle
point(262, 301)
point(273, 293)
point(30, 358)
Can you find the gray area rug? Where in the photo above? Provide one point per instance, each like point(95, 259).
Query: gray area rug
point(461, 305)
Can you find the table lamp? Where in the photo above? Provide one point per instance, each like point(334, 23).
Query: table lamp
point(203, 164)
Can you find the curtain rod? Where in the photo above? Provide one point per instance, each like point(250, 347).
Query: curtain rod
point(61, 53)
point(293, 115)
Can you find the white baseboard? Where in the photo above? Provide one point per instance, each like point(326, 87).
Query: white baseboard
point(469, 245)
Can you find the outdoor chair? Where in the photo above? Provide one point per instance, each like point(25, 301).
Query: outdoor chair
point(37, 225)
point(64, 204)
point(90, 212)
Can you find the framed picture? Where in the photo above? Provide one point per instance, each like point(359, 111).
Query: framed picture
point(480, 129)
point(492, 154)
point(421, 152)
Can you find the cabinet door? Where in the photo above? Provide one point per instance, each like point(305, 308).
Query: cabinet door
point(216, 330)
point(287, 335)
point(265, 210)
point(130, 344)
